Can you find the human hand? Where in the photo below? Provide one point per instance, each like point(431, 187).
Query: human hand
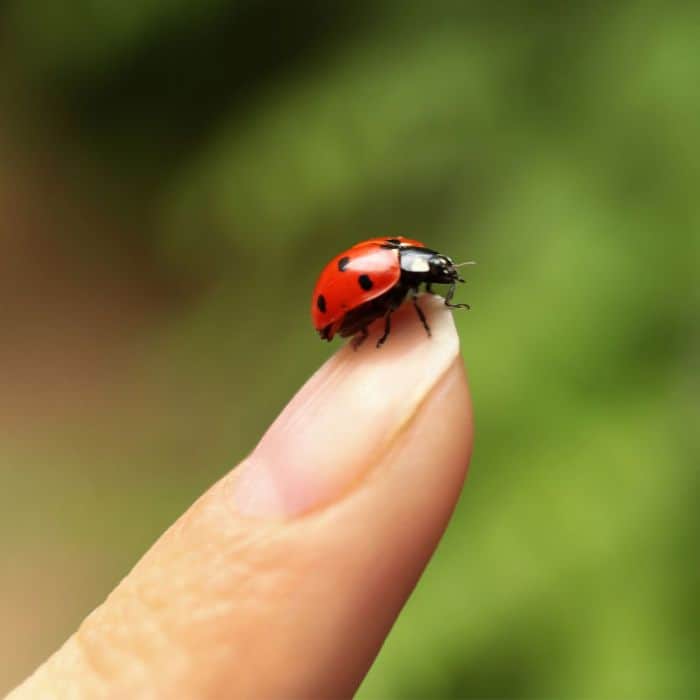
point(283, 580)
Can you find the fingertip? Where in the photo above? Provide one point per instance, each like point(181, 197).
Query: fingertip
point(347, 415)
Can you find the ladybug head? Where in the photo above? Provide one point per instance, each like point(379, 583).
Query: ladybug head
point(443, 270)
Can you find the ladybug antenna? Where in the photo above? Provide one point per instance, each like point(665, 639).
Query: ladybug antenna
point(462, 264)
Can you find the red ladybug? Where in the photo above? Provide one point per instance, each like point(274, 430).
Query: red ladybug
point(371, 280)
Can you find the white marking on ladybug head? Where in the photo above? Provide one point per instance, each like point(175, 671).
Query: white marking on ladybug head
point(417, 263)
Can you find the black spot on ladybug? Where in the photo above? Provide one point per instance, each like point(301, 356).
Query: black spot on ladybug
point(343, 263)
point(365, 282)
point(321, 303)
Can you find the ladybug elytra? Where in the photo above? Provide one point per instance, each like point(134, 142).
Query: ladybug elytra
point(372, 279)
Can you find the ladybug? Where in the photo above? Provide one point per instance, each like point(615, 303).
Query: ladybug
point(371, 280)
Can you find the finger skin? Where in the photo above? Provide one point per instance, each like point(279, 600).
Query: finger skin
point(231, 605)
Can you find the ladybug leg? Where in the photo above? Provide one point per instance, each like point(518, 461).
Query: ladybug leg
point(448, 299)
point(429, 287)
point(360, 338)
point(421, 315)
point(387, 328)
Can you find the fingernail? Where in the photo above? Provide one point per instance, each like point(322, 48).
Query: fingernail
point(346, 416)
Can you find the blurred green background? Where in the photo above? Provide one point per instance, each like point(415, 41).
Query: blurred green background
point(172, 177)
